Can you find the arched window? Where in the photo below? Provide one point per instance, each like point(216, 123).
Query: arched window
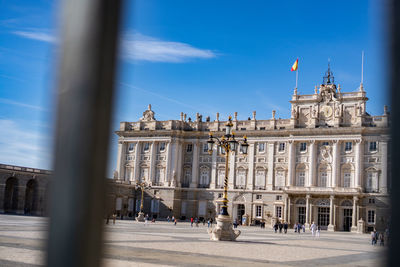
point(144, 174)
point(129, 174)
point(260, 178)
point(241, 178)
point(280, 178)
point(372, 181)
point(159, 175)
point(187, 177)
point(221, 178)
point(323, 178)
point(204, 177)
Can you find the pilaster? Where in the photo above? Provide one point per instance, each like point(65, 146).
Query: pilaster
point(168, 161)
point(335, 164)
point(307, 224)
point(250, 155)
point(331, 226)
point(384, 157)
point(121, 160)
point(195, 165)
point(152, 170)
point(359, 166)
point(291, 163)
point(311, 176)
point(214, 167)
point(354, 215)
point(138, 149)
point(270, 173)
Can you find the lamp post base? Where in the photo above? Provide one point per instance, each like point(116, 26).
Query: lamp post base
point(223, 231)
point(140, 217)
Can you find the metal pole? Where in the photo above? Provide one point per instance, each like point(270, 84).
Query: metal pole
point(85, 93)
point(141, 201)
point(224, 209)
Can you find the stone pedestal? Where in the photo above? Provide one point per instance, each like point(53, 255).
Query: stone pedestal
point(140, 217)
point(331, 227)
point(360, 226)
point(223, 231)
point(354, 229)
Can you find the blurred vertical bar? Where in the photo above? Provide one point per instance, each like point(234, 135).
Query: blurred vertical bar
point(394, 67)
point(85, 89)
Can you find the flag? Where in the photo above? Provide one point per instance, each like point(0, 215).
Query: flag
point(295, 65)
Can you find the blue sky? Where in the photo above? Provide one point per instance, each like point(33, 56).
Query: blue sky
point(190, 56)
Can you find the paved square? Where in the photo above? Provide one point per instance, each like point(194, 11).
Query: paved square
point(128, 243)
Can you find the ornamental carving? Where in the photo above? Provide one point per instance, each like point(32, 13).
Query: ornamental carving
point(148, 115)
point(326, 154)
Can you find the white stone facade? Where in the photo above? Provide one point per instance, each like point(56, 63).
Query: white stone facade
point(328, 163)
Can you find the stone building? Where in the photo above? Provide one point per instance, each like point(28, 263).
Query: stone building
point(327, 163)
point(23, 190)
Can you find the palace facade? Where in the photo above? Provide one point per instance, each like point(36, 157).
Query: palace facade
point(327, 163)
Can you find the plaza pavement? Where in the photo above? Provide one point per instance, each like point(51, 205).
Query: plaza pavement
point(129, 243)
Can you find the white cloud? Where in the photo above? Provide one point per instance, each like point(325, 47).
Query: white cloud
point(19, 104)
point(37, 35)
point(23, 145)
point(138, 47)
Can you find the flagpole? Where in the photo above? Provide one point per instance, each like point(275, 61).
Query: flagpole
point(297, 75)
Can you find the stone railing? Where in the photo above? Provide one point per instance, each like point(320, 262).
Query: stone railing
point(24, 169)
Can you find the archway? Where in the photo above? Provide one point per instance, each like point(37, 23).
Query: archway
point(31, 197)
point(11, 195)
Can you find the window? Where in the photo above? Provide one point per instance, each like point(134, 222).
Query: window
point(144, 174)
point(325, 143)
point(302, 215)
point(278, 211)
point(205, 148)
point(261, 147)
point(303, 146)
point(278, 197)
point(162, 146)
point(371, 200)
point(372, 146)
point(220, 195)
point(301, 179)
point(131, 147)
point(146, 147)
point(258, 196)
point(260, 178)
point(323, 179)
point(371, 216)
point(155, 205)
point(281, 147)
point(204, 177)
point(189, 148)
point(241, 177)
point(280, 179)
point(258, 211)
point(348, 146)
point(221, 178)
point(346, 179)
point(372, 182)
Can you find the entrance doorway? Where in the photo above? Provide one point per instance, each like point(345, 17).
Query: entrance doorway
point(323, 217)
point(302, 215)
point(347, 219)
point(240, 212)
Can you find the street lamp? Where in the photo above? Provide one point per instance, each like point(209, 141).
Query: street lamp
point(227, 143)
point(142, 186)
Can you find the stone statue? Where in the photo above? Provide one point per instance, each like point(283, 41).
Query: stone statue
point(273, 114)
point(148, 115)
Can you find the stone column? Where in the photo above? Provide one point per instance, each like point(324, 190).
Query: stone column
point(250, 156)
point(307, 224)
point(288, 210)
point(311, 213)
point(168, 159)
point(285, 209)
point(359, 164)
point(354, 215)
point(335, 174)
point(153, 154)
point(121, 160)
point(331, 226)
point(383, 184)
point(214, 167)
point(232, 170)
point(179, 165)
point(270, 174)
point(311, 176)
point(138, 149)
point(195, 165)
point(291, 163)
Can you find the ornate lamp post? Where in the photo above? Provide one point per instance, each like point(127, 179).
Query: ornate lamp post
point(227, 143)
point(142, 186)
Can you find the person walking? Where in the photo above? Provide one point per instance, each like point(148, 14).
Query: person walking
point(318, 231)
point(196, 221)
point(276, 227)
point(191, 222)
point(298, 228)
point(285, 227)
point(295, 227)
point(381, 239)
point(304, 228)
point(146, 219)
point(208, 223)
point(313, 228)
point(235, 223)
point(175, 222)
point(280, 225)
point(173, 219)
point(114, 217)
point(168, 218)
